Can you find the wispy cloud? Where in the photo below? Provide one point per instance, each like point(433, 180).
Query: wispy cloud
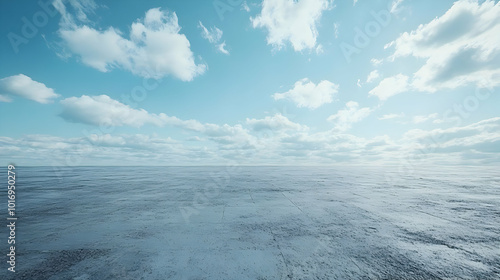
point(396, 6)
point(214, 36)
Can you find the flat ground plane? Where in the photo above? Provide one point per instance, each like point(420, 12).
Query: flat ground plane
point(256, 223)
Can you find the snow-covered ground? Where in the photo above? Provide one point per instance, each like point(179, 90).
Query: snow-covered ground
point(257, 223)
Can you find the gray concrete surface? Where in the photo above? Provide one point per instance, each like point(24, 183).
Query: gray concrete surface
point(257, 223)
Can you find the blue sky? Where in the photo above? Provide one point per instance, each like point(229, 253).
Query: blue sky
point(220, 82)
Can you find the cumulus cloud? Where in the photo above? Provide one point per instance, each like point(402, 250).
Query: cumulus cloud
point(345, 118)
point(276, 122)
point(154, 49)
point(390, 86)
point(214, 36)
point(461, 47)
point(307, 94)
point(292, 21)
point(23, 86)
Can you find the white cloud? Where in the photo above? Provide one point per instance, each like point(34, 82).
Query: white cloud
point(390, 86)
point(222, 48)
point(372, 76)
point(461, 47)
point(214, 36)
point(306, 94)
point(80, 8)
point(424, 118)
point(104, 111)
point(354, 2)
point(477, 143)
point(293, 21)
point(98, 149)
point(391, 116)
point(23, 86)
point(344, 118)
point(155, 48)
point(276, 122)
point(358, 83)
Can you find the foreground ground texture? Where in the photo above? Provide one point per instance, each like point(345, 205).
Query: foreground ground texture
point(256, 223)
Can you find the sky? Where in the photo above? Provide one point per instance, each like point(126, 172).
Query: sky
point(268, 82)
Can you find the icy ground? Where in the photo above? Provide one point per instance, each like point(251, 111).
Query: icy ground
point(256, 223)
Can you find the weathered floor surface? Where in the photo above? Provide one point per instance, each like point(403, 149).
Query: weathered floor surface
point(256, 223)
